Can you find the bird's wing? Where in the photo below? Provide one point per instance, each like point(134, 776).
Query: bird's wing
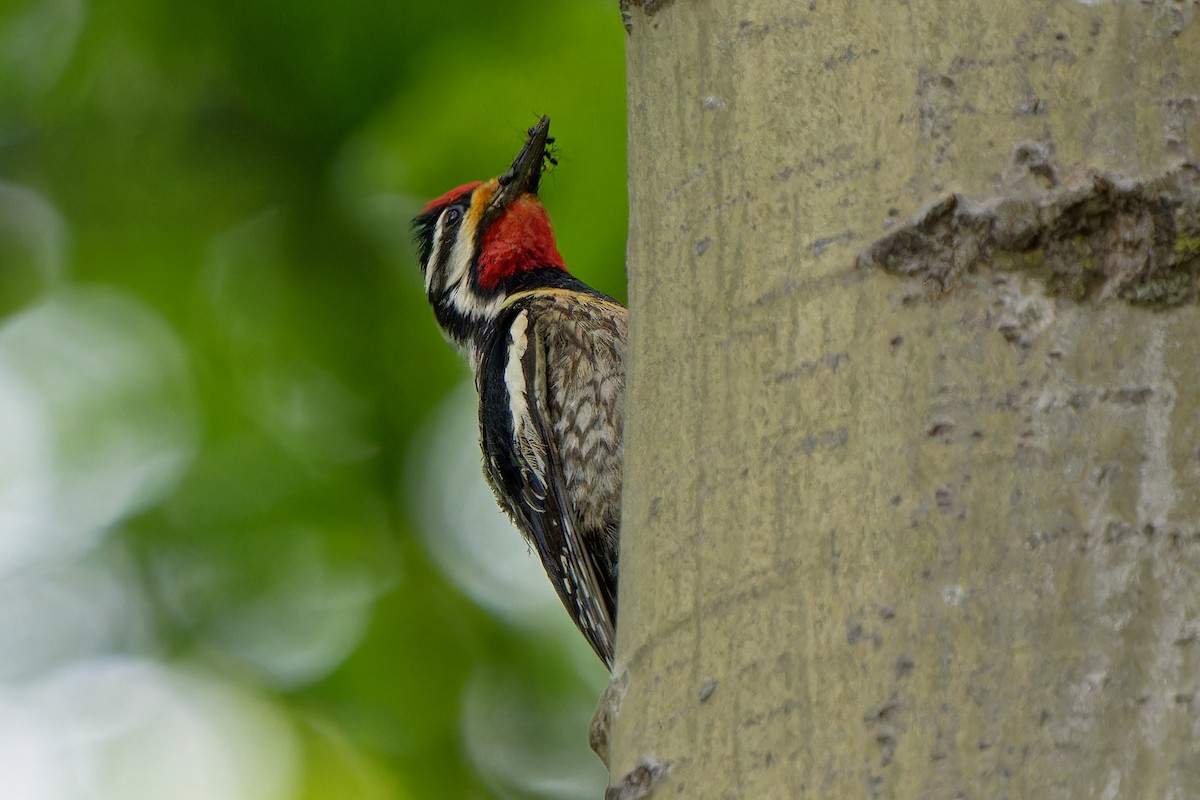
point(535, 472)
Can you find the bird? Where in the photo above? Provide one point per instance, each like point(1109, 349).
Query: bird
point(547, 353)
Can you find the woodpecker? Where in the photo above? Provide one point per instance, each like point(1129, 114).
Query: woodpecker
point(548, 356)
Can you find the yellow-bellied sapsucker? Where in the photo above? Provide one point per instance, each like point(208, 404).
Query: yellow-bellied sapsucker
point(548, 354)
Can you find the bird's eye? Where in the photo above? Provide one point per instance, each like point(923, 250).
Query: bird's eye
point(453, 215)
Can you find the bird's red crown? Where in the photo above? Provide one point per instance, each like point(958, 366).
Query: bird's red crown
point(450, 196)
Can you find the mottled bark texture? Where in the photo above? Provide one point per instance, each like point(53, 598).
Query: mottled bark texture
point(913, 441)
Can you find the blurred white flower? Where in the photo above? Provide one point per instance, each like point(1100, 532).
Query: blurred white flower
point(131, 729)
point(302, 618)
point(59, 612)
point(33, 236)
point(530, 740)
point(97, 420)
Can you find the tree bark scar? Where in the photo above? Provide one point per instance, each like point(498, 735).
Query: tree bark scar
point(641, 781)
point(649, 6)
point(607, 709)
point(1089, 240)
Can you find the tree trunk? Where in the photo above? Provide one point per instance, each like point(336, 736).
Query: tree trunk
point(911, 507)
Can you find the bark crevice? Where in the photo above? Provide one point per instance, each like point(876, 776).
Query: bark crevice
point(1089, 239)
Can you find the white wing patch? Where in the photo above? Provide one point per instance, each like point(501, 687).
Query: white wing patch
point(514, 373)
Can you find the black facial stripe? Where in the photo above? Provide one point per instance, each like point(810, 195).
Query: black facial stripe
point(457, 326)
point(424, 233)
point(423, 227)
point(425, 224)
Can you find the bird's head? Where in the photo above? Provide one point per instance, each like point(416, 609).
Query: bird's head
point(481, 242)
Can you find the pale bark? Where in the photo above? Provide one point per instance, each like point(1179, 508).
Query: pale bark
point(911, 509)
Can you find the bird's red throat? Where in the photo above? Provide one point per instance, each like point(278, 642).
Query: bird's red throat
point(519, 241)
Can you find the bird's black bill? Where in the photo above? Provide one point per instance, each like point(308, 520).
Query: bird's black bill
point(525, 174)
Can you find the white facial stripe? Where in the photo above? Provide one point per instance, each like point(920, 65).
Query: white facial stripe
point(460, 256)
point(431, 265)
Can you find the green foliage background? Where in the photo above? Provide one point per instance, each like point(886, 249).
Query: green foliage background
point(244, 173)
